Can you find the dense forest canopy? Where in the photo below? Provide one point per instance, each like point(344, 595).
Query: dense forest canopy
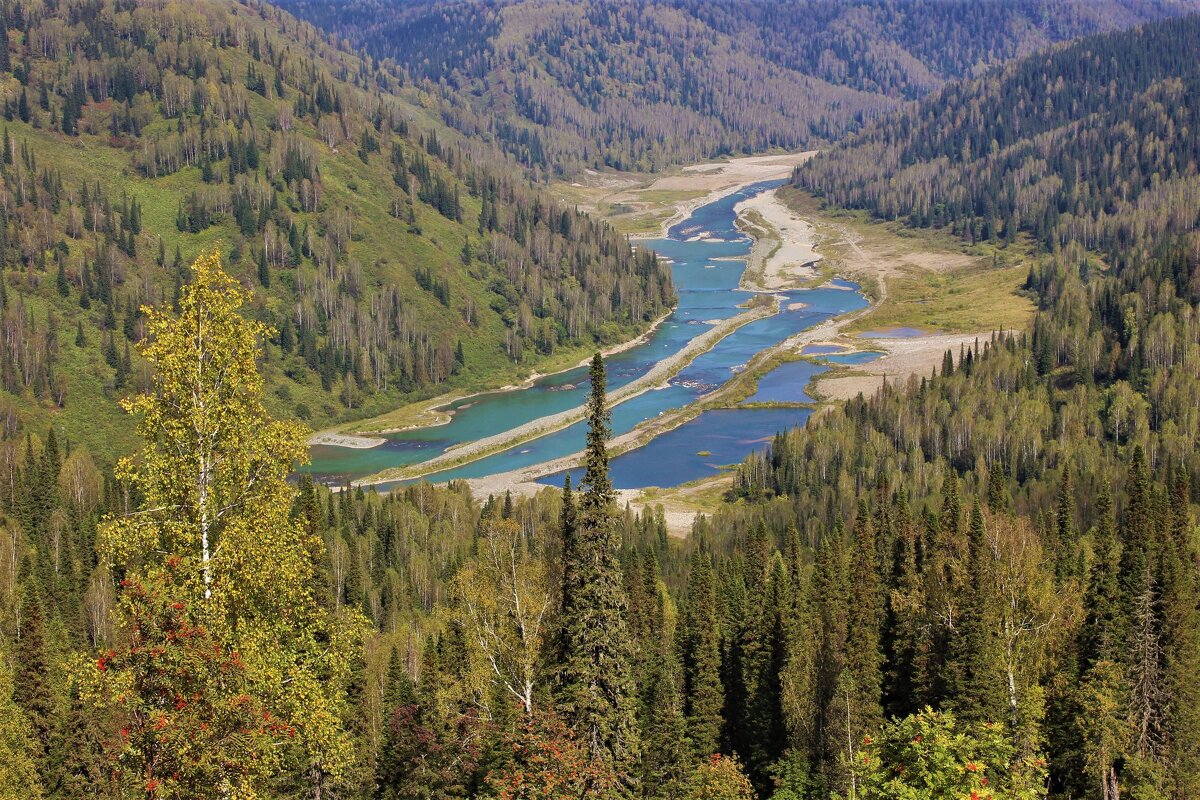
point(984, 583)
point(1095, 142)
point(566, 86)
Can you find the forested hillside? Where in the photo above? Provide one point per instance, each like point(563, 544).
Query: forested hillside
point(983, 584)
point(566, 86)
point(390, 262)
point(1095, 142)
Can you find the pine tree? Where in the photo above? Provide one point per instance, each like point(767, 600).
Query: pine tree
point(596, 684)
point(704, 695)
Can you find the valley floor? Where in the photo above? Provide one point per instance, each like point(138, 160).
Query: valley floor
point(936, 295)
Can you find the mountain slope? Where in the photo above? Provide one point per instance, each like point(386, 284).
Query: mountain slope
point(1093, 142)
point(565, 86)
point(392, 262)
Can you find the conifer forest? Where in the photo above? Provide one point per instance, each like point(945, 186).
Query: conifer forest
point(398, 400)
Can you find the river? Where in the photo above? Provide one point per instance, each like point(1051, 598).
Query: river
point(707, 254)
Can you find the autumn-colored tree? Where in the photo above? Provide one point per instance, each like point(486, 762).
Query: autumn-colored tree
point(719, 778)
point(929, 756)
point(188, 723)
point(216, 511)
point(550, 763)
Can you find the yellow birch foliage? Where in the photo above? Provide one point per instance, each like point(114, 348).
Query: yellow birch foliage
point(216, 508)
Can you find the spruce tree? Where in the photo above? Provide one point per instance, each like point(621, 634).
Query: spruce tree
point(1103, 632)
point(1066, 534)
point(764, 649)
point(830, 596)
point(1140, 600)
point(904, 618)
point(862, 678)
point(974, 681)
point(596, 684)
point(31, 681)
point(704, 696)
point(666, 759)
point(20, 775)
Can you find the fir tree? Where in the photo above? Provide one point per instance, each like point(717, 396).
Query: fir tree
point(704, 696)
point(862, 679)
point(31, 682)
point(975, 684)
point(20, 776)
point(596, 690)
point(904, 618)
point(60, 280)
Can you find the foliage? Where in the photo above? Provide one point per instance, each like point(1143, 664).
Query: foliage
point(215, 508)
point(160, 130)
point(927, 756)
point(1090, 144)
point(550, 763)
point(187, 723)
point(719, 778)
point(19, 778)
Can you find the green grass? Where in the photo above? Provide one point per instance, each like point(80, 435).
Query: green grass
point(963, 301)
point(968, 290)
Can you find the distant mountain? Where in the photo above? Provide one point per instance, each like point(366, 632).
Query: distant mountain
point(1095, 142)
point(565, 86)
point(392, 261)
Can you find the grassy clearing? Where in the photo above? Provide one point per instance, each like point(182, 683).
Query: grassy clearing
point(962, 301)
point(933, 280)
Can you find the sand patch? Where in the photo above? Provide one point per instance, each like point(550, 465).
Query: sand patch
point(902, 358)
point(345, 440)
point(785, 245)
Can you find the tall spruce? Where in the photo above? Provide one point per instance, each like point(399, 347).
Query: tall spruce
point(704, 695)
point(974, 680)
point(597, 696)
point(1140, 599)
point(764, 648)
point(31, 682)
point(861, 682)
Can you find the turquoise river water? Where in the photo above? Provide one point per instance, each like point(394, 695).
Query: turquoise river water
point(707, 255)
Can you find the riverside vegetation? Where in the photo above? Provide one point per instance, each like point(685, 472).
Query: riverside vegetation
point(981, 584)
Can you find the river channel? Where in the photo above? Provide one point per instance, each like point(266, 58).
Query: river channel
point(707, 254)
